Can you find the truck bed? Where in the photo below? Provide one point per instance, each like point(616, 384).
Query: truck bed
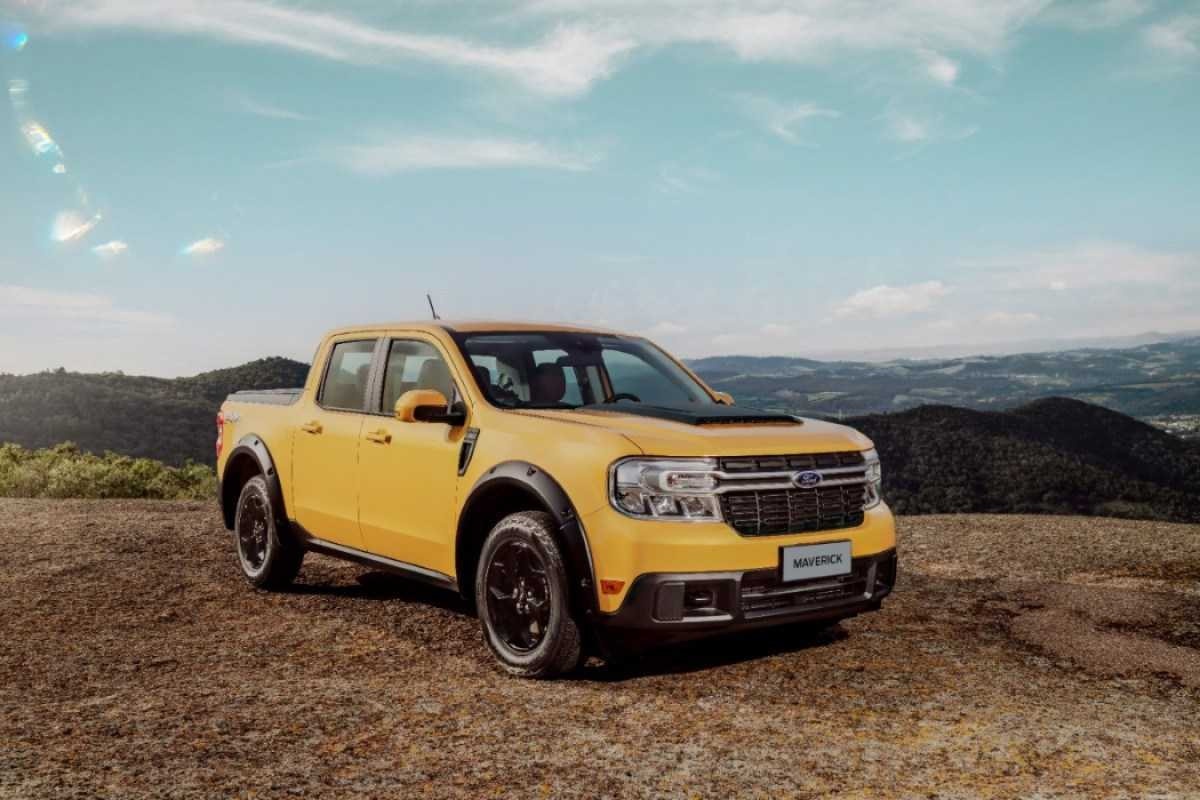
point(270, 397)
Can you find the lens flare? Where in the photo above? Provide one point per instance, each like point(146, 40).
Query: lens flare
point(15, 38)
point(17, 89)
point(43, 145)
point(110, 250)
point(71, 226)
point(39, 139)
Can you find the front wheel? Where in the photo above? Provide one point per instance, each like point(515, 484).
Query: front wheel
point(269, 557)
point(522, 597)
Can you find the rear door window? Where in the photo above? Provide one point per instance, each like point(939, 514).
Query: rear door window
point(345, 384)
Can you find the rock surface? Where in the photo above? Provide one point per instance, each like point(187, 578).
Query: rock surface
point(1022, 656)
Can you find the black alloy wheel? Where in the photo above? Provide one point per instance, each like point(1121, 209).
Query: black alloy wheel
point(518, 595)
point(268, 553)
point(522, 594)
point(252, 534)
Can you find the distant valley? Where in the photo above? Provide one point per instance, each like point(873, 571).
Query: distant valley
point(1157, 382)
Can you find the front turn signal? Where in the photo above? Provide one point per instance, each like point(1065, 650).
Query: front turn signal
point(611, 587)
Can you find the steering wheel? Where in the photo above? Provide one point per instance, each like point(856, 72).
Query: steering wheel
point(623, 396)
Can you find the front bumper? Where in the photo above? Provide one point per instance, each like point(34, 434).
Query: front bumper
point(624, 550)
point(673, 606)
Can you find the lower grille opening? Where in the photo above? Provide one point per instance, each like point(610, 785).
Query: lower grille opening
point(763, 593)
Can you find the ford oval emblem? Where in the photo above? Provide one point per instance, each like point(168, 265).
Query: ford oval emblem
point(807, 479)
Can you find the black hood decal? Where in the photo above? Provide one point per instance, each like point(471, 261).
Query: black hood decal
point(696, 414)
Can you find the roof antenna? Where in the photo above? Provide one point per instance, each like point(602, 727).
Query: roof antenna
point(431, 308)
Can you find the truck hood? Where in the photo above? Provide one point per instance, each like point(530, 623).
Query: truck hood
point(683, 432)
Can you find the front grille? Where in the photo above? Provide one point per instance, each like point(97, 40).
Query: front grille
point(774, 509)
point(769, 513)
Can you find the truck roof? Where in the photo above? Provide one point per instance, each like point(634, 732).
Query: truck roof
point(473, 326)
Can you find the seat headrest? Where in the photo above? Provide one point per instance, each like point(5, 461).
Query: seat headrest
point(548, 385)
point(436, 375)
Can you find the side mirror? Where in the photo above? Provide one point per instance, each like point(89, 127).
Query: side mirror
point(427, 405)
point(724, 398)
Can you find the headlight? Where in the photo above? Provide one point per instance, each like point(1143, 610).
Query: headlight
point(874, 479)
point(668, 489)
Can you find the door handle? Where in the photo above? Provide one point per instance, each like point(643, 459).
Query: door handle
point(312, 427)
point(379, 437)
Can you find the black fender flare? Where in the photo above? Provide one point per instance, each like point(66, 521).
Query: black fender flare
point(535, 481)
point(251, 447)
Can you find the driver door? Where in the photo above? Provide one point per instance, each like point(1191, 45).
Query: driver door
point(408, 471)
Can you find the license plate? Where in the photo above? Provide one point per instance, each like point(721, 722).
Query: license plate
point(807, 561)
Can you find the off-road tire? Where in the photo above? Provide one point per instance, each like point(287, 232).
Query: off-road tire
point(269, 558)
point(559, 650)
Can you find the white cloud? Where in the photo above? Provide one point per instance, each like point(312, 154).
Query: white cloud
point(249, 105)
point(575, 43)
point(938, 67)
point(567, 60)
point(677, 178)
point(892, 301)
point(806, 30)
point(727, 340)
point(785, 120)
point(25, 301)
point(667, 328)
point(204, 247)
point(915, 128)
point(1177, 39)
point(776, 330)
point(1089, 15)
point(908, 129)
point(389, 156)
point(1089, 265)
point(110, 250)
point(1009, 318)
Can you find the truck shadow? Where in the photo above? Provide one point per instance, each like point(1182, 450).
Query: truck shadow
point(674, 659)
point(706, 654)
point(379, 585)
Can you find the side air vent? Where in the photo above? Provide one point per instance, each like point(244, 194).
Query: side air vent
point(467, 450)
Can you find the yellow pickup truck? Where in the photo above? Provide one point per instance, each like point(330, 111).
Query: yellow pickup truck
point(584, 490)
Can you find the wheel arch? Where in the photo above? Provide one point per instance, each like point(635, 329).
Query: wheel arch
point(514, 486)
point(250, 457)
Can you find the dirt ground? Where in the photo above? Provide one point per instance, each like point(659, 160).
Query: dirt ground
point(1022, 656)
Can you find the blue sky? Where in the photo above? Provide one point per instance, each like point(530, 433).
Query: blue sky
point(188, 184)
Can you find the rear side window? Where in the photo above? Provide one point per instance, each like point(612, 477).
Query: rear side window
point(414, 365)
point(345, 384)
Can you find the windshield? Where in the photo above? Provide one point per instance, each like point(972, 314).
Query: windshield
point(570, 370)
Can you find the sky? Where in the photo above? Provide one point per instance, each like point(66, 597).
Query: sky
point(191, 184)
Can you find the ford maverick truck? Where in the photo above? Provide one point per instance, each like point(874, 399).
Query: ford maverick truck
point(583, 490)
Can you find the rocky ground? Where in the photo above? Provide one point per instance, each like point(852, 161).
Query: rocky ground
point(1022, 656)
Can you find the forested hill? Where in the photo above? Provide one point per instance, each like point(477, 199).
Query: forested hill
point(1054, 456)
point(167, 419)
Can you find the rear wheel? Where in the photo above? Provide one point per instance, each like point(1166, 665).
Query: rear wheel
point(269, 558)
point(522, 598)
